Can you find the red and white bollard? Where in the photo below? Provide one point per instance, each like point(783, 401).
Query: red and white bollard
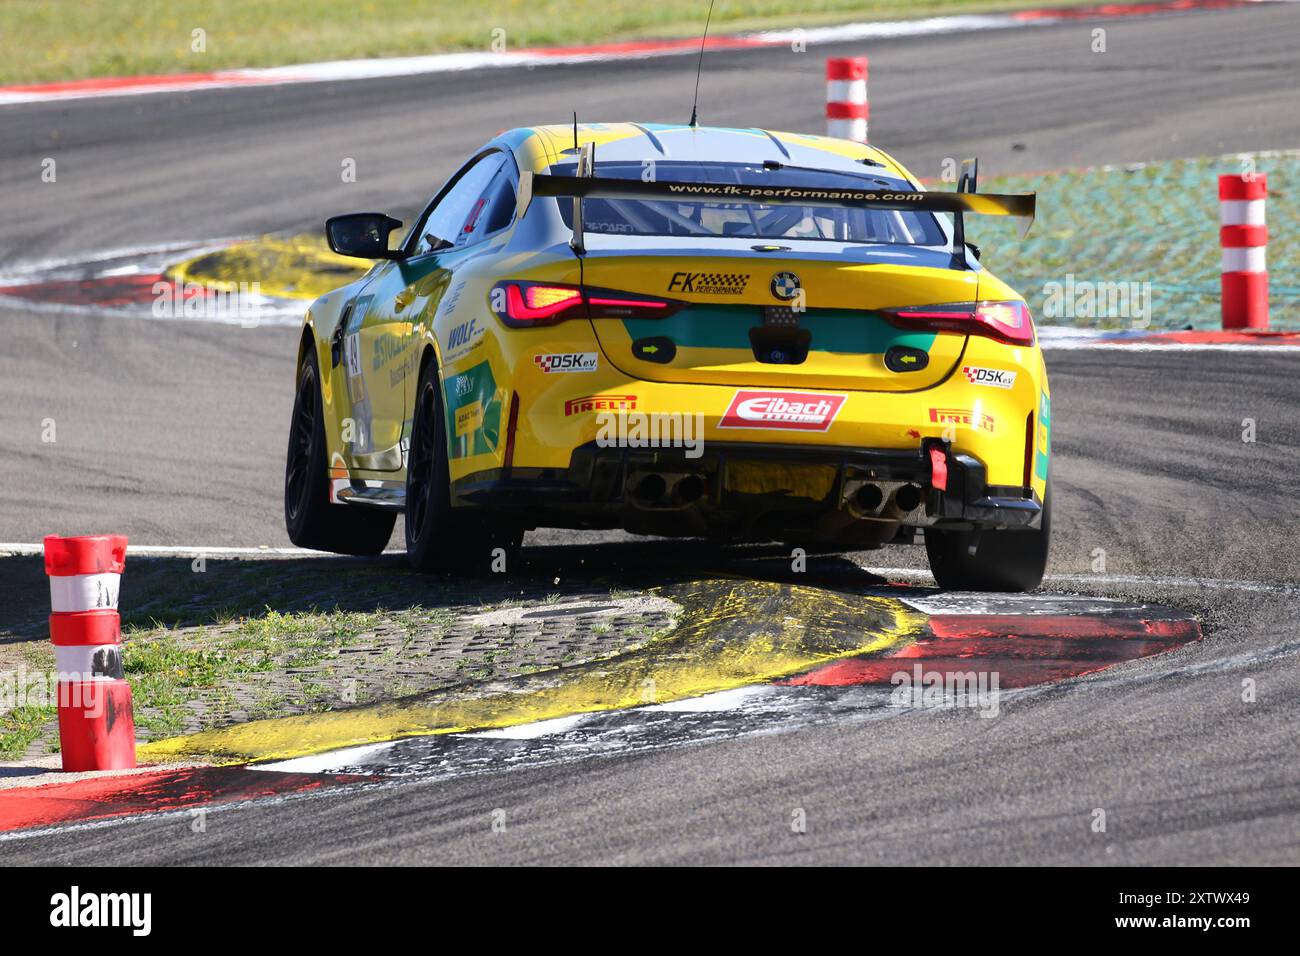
point(846, 98)
point(96, 724)
point(1244, 237)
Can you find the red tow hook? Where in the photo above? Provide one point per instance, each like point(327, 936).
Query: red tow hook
point(938, 468)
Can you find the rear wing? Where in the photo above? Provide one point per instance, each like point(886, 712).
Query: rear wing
point(1020, 206)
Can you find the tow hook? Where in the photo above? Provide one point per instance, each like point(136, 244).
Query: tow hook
point(938, 467)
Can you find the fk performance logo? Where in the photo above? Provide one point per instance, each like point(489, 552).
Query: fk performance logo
point(708, 283)
point(800, 411)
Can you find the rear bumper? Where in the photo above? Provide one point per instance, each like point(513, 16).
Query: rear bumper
point(754, 490)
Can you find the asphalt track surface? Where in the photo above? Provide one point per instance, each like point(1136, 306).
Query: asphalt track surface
point(174, 434)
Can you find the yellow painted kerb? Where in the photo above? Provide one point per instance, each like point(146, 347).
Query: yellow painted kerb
point(284, 267)
point(731, 634)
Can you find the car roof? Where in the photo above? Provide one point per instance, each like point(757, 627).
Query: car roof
point(637, 142)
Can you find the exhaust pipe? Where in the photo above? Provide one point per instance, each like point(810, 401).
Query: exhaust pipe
point(869, 497)
point(907, 497)
point(650, 489)
point(689, 489)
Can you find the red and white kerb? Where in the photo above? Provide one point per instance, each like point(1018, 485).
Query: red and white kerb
point(1244, 237)
point(846, 98)
point(96, 726)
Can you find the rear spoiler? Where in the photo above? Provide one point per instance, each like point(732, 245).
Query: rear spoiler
point(531, 184)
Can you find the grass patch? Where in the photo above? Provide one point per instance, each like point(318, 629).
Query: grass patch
point(20, 727)
point(250, 639)
point(1149, 222)
point(31, 713)
point(43, 41)
point(169, 671)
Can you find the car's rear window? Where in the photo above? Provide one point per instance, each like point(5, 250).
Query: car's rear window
point(643, 217)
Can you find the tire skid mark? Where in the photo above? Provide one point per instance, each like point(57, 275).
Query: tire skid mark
point(969, 627)
point(747, 657)
point(638, 730)
point(1021, 650)
point(107, 292)
point(187, 788)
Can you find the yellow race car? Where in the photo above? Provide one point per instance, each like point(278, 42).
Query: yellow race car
point(676, 330)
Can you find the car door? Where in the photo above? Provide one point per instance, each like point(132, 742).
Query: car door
point(385, 325)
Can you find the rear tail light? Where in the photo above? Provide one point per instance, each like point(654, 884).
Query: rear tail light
point(533, 304)
point(1005, 321)
point(526, 305)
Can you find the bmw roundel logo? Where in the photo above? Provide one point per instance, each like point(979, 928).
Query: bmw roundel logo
point(785, 285)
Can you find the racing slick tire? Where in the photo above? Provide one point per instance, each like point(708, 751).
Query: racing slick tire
point(1003, 560)
point(310, 519)
point(440, 538)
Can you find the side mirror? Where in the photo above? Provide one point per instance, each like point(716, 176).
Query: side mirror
point(363, 235)
point(974, 250)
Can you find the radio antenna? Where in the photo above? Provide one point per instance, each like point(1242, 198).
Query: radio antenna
point(575, 129)
point(699, 66)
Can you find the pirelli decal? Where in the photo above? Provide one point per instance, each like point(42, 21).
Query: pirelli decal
point(599, 403)
point(962, 417)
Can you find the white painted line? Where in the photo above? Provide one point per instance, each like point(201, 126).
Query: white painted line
point(1067, 338)
point(20, 271)
point(1176, 581)
point(267, 317)
point(355, 758)
point(389, 67)
point(1101, 346)
point(192, 550)
point(921, 574)
point(979, 602)
point(533, 730)
point(1219, 584)
point(325, 762)
point(369, 69)
point(721, 700)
